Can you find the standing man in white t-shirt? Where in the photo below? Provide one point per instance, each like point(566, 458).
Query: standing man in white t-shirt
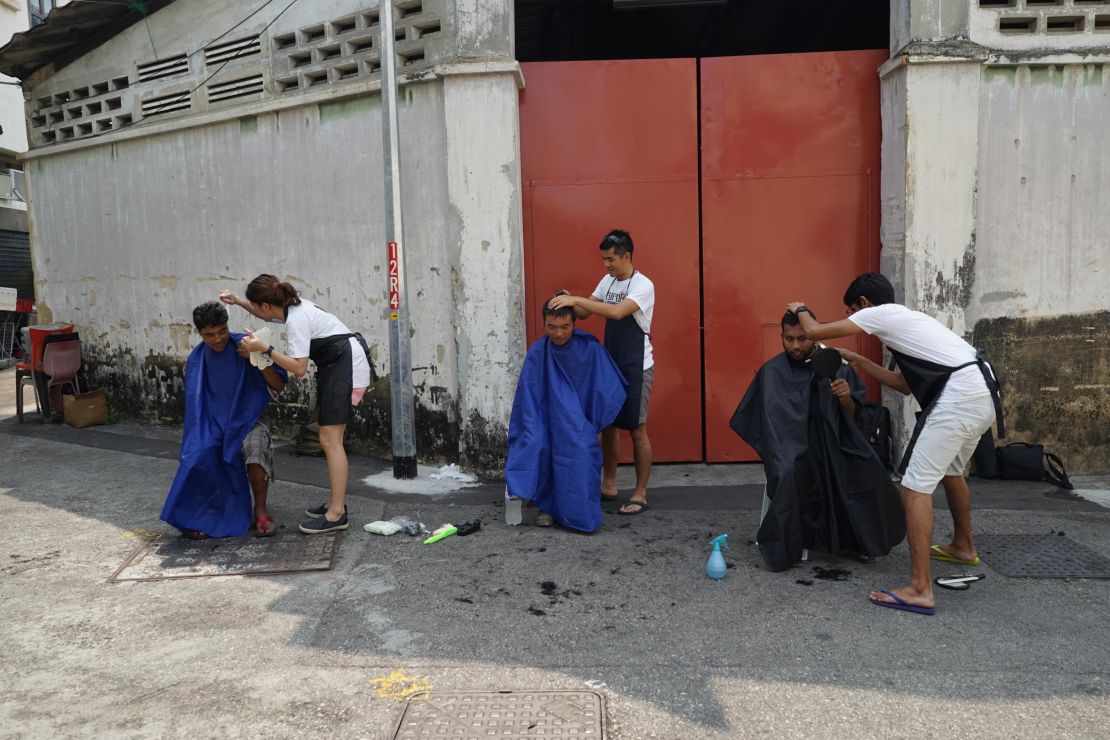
point(625, 298)
point(959, 397)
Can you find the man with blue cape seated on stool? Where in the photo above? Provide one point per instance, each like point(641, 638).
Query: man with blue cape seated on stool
point(226, 452)
point(826, 490)
point(569, 390)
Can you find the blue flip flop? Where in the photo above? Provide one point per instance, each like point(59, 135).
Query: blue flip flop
point(903, 605)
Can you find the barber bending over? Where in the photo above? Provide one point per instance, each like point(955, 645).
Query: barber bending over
point(960, 399)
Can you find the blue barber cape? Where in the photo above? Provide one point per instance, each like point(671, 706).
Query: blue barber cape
point(565, 397)
point(224, 398)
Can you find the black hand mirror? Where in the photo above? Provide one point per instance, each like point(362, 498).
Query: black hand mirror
point(825, 361)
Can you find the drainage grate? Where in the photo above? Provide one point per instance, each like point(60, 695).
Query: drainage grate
point(180, 557)
point(1040, 556)
point(509, 715)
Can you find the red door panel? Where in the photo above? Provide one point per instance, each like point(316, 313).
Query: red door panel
point(790, 158)
point(614, 145)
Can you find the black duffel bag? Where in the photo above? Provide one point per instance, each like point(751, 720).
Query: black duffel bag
point(1023, 461)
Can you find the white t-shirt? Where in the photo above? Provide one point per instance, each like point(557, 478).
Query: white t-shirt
point(640, 289)
point(919, 335)
point(307, 321)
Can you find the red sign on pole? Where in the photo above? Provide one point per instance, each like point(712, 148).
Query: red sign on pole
point(394, 278)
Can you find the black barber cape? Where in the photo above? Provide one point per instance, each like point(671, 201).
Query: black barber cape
point(827, 490)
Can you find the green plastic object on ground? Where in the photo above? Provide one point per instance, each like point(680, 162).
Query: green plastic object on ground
point(442, 533)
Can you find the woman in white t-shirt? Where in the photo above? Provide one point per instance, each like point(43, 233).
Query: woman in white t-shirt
point(343, 373)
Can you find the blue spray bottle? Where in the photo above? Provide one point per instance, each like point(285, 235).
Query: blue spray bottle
point(716, 567)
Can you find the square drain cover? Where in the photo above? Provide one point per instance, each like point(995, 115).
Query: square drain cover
point(478, 715)
point(1040, 556)
point(179, 557)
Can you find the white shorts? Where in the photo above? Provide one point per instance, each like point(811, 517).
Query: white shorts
point(948, 441)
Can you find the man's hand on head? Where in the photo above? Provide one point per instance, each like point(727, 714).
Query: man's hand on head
point(793, 307)
point(226, 296)
point(563, 301)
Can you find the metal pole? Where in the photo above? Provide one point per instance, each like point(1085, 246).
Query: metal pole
point(400, 353)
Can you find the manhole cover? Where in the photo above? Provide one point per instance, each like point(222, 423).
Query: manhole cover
point(1040, 556)
point(179, 557)
point(503, 714)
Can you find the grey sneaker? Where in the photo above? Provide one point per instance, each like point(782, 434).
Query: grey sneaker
point(321, 510)
point(320, 524)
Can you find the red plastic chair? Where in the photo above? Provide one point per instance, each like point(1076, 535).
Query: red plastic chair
point(60, 361)
point(30, 370)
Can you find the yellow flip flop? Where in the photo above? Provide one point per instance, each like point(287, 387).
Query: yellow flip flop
point(936, 553)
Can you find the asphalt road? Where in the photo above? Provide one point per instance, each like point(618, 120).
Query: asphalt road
point(626, 611)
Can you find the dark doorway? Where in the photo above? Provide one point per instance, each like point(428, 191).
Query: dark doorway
point(576, 30)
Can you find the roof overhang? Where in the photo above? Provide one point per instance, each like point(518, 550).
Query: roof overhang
point(70, 31)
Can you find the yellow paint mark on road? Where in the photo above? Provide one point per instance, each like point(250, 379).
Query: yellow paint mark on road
point(146, 535)
point(399, 687)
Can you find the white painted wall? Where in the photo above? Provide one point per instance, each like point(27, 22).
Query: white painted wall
point(483, 183)
point(928, 188)
point(132, 229)
point(129, 236)
point(1043, 220)
point(942, 101)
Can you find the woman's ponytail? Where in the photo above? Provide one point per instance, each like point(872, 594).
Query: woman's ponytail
point(268, 289)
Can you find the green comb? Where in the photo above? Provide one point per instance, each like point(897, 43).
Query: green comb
point(442, 533)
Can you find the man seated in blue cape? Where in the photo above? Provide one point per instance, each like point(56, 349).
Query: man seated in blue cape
point(226, 452)
point(826, 490)
point(569, 390)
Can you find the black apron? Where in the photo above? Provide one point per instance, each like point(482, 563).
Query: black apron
point(624, 339)
point(927, 380)
point(335, 376)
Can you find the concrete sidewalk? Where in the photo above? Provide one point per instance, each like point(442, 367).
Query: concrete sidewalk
point(626, 611)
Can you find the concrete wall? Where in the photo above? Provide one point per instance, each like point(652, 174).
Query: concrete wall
point(132, 229)
point(996, 163)
point(483, 184)
point(927, 20)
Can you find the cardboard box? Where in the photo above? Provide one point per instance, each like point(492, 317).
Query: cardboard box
point(86, 409)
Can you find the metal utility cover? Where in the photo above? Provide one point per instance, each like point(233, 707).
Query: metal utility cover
point(507, 715)
point(180, 557)
point(1040, 556)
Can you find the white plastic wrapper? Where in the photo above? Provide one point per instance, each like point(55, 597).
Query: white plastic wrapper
point(258, 359)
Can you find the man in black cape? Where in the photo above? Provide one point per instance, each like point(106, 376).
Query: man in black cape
point(826, 489)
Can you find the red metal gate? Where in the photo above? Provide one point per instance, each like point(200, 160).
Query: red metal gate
point(789, 170)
